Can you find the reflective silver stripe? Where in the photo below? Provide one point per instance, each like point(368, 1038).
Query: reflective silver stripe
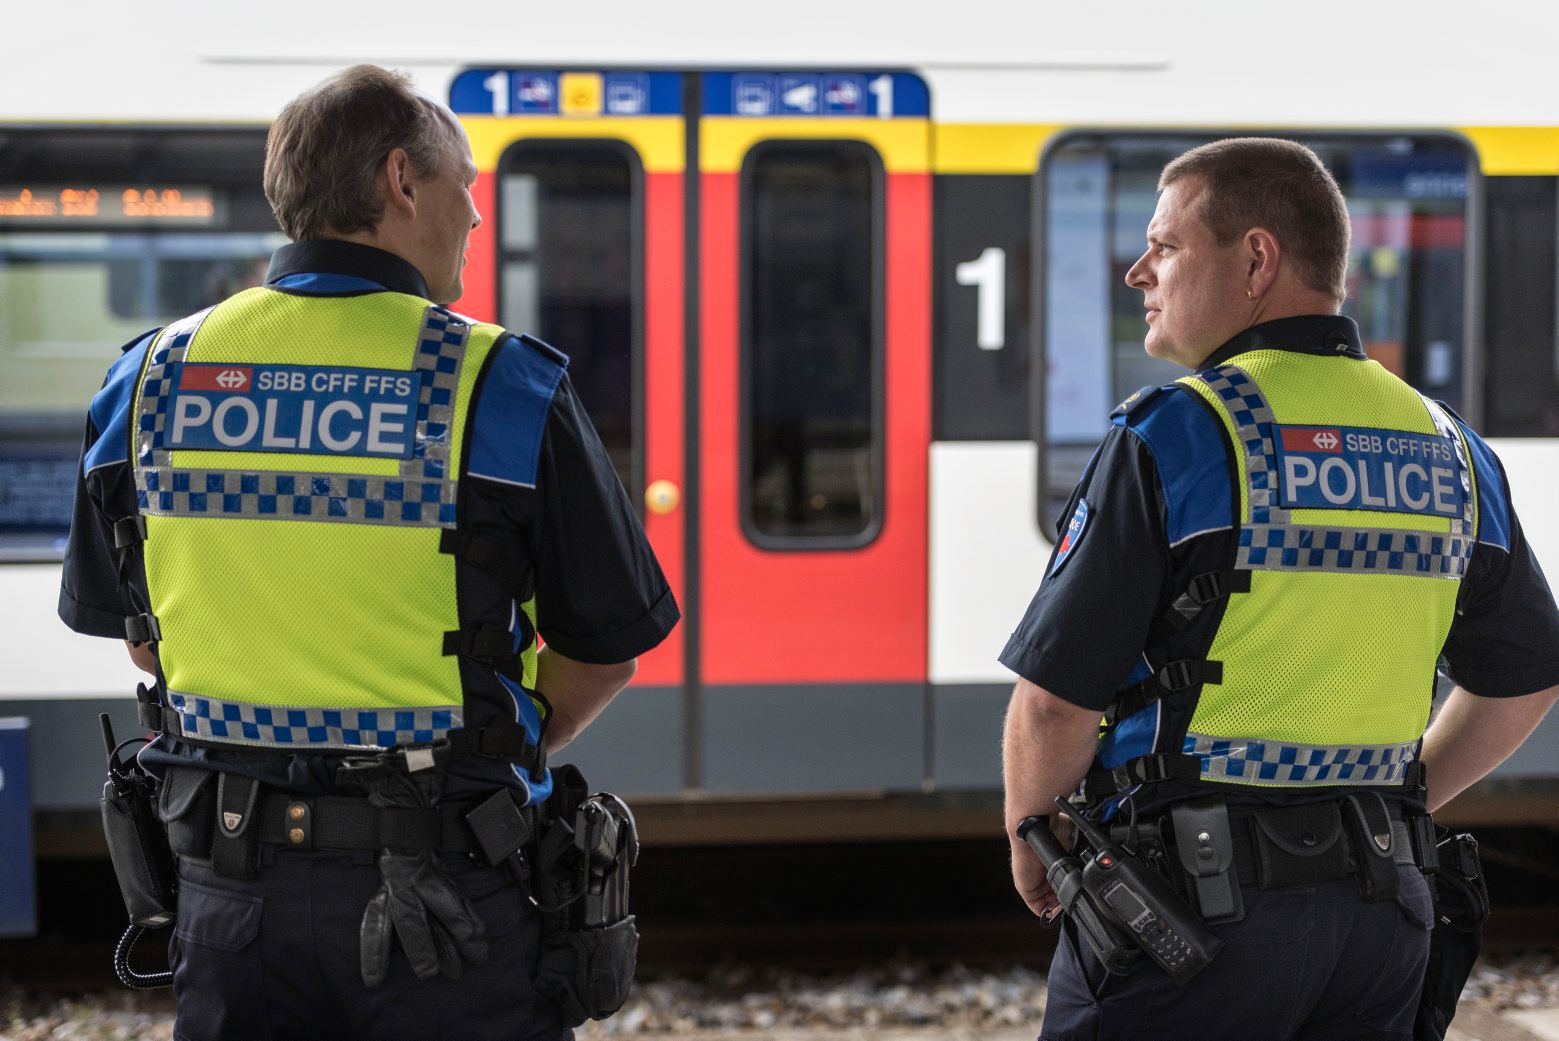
point(1249, 760)
point(1271, 541)
point(268, 495)
point(272, 726)
point(424, 495)
point(1467, 526)
point(441, 352)
point(161, 370)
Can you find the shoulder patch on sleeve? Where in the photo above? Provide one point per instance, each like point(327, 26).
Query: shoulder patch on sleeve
point(1139, 397)
point(1073, 534)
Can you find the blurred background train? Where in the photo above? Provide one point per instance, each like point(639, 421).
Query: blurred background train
point(842, 290)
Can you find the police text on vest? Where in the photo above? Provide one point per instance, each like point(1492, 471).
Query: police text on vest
point(1353, 468)
point(310, 409)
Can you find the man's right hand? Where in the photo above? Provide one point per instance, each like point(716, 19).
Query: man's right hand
point(1028, 878)
point(1028, 871)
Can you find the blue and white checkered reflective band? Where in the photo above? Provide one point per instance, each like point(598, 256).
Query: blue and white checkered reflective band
point(1271, 541)
point(1277, 763)
point(422, 495)
point(270, 726)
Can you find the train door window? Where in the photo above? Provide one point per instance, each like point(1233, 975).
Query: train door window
point(570, 230)
point(1521, 364)
point(1407, 272)
point(103, 236)
point(812, 366)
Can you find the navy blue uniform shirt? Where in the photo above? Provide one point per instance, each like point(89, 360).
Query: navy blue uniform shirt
point(1087, 626)
point(600, 594)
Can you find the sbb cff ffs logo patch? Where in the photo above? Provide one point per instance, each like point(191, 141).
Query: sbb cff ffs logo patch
point(233, 379)
point(1359, 468)
point(316, 409)
point(1072, 535)
point(1311, 439)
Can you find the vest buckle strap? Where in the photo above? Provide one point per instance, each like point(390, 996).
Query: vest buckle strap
point(500, 739)
point(1170, 678)
point(152, 714)
point(129, 531)
point(142, 628)
point(1206, 588)
point(1186, 673)
point(488, 554)
point(1159, 766)
point(486, 645)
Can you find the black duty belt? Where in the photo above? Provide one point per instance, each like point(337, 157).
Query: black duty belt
point(1246, 857)
point(347, 823)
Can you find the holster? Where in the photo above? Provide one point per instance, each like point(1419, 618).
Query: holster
point(138, 848)
point(1461, 904)
point(137, 844)
point(589, 941)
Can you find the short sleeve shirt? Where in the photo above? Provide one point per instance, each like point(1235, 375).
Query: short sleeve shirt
point(576, 539)
point(1085, 630)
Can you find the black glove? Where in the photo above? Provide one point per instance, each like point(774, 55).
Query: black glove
point(418, 901)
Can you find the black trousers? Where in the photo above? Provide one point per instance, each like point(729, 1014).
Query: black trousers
point(1308, 963)
point(276, 959)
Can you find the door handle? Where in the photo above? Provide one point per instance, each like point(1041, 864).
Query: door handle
point(662, 496)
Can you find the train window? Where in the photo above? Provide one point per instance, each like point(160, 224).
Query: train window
point(570, 230)
point(1521, 371)
point(104, 235)
point(812, 369)
point(1407, 273)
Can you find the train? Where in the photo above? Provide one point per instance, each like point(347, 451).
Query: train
point(842, 288)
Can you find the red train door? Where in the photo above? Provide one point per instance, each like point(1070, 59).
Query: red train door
point(814, 424)
point(754, 346)
point(580, 183)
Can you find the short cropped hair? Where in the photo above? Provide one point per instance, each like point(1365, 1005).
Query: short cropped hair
point(1275, 184)
point(325, 148)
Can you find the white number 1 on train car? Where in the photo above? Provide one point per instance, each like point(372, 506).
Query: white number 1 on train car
point(988, 271)
point(498, 84)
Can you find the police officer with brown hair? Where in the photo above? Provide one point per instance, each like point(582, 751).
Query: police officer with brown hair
point(1256, 578)
point(332, 516)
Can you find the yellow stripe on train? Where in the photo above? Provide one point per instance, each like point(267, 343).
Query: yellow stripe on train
point(1015, 148)
point(659, 140)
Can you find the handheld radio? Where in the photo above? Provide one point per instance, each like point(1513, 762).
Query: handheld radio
point(1110, 943)
point(1142, 900)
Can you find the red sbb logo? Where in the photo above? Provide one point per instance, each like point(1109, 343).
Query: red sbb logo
point(230, 379)
point(1303, 439)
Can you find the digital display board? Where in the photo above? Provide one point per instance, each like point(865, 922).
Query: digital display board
point(60, 206)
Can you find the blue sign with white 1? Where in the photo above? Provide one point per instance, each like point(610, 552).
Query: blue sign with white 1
point(887, 95)
point(544, 92)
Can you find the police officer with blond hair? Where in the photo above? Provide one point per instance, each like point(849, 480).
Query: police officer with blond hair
point(331, 516)
point(1256, 578)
